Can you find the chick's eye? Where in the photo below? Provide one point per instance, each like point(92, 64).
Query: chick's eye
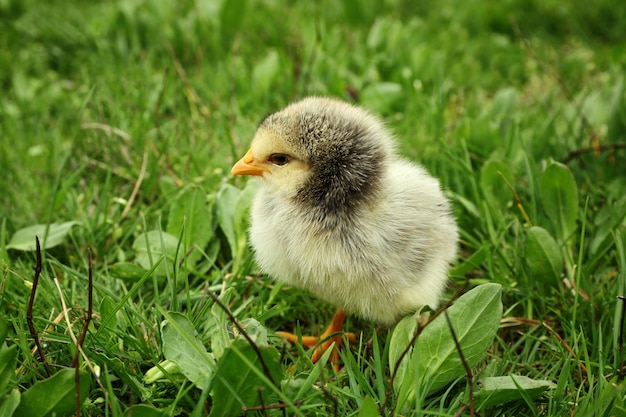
point(278, 159)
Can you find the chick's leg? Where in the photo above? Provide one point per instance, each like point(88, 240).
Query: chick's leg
point(332, 334)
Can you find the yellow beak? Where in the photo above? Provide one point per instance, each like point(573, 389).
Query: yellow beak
point(249, 166)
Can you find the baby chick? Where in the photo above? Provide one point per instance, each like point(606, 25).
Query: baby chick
point(342, 215)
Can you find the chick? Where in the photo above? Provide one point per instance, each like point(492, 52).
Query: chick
point(342, 215)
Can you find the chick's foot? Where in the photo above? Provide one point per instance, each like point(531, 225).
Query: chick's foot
point(332, 336)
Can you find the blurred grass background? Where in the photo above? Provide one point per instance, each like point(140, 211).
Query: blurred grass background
point(191, 79)
point(97, 95)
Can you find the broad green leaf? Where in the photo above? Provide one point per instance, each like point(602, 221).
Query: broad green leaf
point(475, 318)
point(400, 339)
point(9, 403)
point(237, 384)
point(254, 330)
point(241, 220)
point(108, 314)
point(149, 249)
point(191, 210)
point(369, 408)
point(210, 255)
point(217, 331)
point(404, 382)
point(435, 361)
point(7, 366)
point(559, 195)
point(243, 205)
point(144, 410)
point(55, 395)
point(168, 186)
point(127, 271)
point(503, 389)
point(181, 346)
point(226, 203)
point(494, 186)
point(543, 256)
point(232, 209)
point(24, 239)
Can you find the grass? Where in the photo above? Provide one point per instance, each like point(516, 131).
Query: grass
point(126, 117)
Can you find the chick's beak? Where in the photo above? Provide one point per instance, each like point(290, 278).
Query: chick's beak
point(249, 166)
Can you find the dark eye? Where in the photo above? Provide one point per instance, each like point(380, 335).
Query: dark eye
point(279, 159)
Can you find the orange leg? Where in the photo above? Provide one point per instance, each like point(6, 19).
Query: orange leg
point(332, 334)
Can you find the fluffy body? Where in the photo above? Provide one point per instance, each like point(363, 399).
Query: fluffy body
point(347, 218)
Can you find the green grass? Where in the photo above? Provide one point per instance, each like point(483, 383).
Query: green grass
point(126, 118)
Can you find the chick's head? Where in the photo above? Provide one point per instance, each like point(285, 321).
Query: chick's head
point(323, 153)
